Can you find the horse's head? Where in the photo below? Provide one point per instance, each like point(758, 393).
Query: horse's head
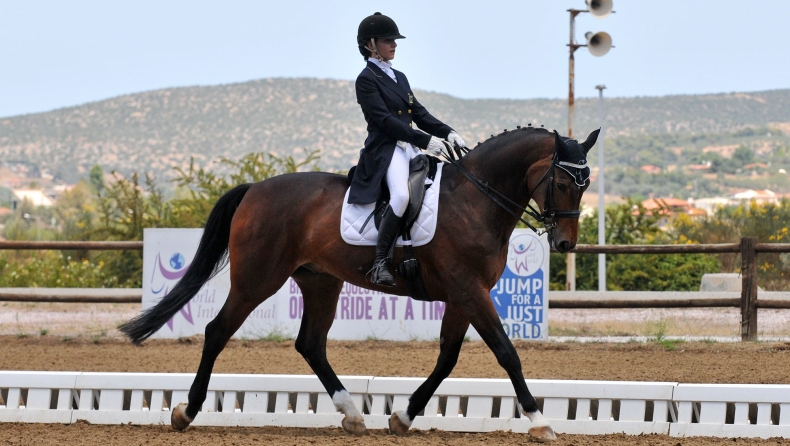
point(559, 190)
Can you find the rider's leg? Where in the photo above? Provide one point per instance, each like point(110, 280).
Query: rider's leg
point(397, 182)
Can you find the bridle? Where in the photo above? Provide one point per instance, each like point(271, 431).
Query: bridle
point(548, 217)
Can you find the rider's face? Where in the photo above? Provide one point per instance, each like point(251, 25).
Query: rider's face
point(386, 48)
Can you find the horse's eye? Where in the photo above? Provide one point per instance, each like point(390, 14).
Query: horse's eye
point(562, 187)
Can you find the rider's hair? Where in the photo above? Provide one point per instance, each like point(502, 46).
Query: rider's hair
point(363, 49)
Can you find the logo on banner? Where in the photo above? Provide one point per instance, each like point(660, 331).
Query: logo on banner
point(164, 279)
point(519, 294)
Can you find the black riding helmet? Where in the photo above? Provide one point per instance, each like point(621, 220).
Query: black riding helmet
point(377, 26)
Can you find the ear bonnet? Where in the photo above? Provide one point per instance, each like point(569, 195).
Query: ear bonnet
point(572, 156)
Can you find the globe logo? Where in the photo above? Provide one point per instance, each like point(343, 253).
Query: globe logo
point(177, 261)
point(525, 255)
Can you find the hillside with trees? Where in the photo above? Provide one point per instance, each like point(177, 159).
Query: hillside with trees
point(742, 136)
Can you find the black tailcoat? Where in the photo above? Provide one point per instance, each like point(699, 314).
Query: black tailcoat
point(389, 108)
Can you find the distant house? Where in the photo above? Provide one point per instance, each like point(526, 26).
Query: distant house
point(34, 196)
point(762, 196)
point(710, 205)
point(10, 179)
point(669, 207)
point(755, 166)
point(651, 169)
point(699, 167)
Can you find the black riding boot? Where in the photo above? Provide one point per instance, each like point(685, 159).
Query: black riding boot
point(388, 233)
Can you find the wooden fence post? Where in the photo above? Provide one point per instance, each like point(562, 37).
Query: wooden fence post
point(748, 289)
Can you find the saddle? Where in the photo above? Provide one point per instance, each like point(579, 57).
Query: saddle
point(421, 168)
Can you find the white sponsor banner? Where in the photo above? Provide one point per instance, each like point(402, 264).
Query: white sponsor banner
point(361, 313)
point(521, 294)
point(167, 253)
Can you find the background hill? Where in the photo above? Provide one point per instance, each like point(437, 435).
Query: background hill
point(157, 130)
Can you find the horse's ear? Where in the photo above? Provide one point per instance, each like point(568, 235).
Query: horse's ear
point(591, 140)
point(558, 142)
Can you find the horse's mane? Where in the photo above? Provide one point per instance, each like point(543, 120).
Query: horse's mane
point(507, 135)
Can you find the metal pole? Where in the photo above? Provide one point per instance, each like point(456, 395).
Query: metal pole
point(570, 258)
point(601, 209)
point(572, 46)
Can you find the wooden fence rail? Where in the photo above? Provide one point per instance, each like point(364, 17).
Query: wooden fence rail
point(748, 302)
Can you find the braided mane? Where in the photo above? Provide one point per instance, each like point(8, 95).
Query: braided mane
point(509, 133)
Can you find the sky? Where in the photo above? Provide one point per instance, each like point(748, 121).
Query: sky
point(56, 54)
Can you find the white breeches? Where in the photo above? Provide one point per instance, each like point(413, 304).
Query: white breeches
point(398, 176)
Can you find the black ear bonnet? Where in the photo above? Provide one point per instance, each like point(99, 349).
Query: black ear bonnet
point(572, 156)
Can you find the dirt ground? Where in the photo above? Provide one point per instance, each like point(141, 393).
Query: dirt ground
point(692, 362)
point(77, 337)
point(101, 320)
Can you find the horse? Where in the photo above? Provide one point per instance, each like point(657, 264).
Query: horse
point(289, 226)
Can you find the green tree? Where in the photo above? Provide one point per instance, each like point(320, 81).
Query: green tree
point(96, 178)
point(743, 156)
point(770, 223)
point(628, 224)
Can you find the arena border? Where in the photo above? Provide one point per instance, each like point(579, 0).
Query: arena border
point(460, 404)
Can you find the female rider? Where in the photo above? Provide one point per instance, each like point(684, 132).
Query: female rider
point(389, 107)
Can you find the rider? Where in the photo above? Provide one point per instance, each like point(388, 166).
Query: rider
point(389, 107)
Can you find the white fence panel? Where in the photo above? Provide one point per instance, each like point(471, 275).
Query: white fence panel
point(732, 410)
point(464, 405)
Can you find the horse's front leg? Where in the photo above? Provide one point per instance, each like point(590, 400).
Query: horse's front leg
point(454, 326)
point(320, 293)
point(480, 311)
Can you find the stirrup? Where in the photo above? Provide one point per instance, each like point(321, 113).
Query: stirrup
point(379, 274)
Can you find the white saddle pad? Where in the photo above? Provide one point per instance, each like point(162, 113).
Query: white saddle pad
point(353, 217)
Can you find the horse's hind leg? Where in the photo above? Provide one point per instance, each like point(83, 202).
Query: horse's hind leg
point(454, 326)
point(218, 332)
point(320, 293)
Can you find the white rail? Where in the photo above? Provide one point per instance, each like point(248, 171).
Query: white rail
point(466, 405)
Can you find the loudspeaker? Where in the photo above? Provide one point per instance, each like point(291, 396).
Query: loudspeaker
point(599, 8)
point(599, 43)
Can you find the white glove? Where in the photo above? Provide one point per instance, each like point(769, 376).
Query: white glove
point(455, 140)
point(435, 146)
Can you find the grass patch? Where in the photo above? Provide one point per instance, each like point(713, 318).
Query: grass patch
point(670, 345)
point(276, 335)
point(43, 332)
point(657, 331)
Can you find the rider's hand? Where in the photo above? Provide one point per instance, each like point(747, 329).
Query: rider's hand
point(435, 146)
point(455, 140)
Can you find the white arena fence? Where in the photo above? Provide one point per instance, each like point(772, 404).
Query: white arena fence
point(462, 405)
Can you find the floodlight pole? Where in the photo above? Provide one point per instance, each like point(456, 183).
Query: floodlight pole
point(601, 209)
point(573, 47)
point(570, 258)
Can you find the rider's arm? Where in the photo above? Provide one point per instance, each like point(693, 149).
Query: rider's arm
point(425, 120)
point(376, 109)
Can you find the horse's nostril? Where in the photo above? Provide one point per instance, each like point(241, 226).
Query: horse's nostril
point(564, 246)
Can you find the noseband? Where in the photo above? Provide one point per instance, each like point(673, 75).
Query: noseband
point(549, 215)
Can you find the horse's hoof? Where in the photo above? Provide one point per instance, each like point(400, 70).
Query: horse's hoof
point(397, 426)
point(542, 433)
point(354, 425)
point(179, 419)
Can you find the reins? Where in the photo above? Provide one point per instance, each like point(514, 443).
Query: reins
point(453, 156)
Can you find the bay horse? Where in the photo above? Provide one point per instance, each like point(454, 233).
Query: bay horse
point(289, 226)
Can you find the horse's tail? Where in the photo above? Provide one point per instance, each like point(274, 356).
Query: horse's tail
point(210, 258)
